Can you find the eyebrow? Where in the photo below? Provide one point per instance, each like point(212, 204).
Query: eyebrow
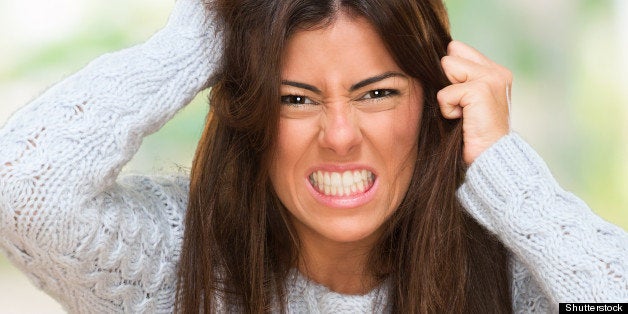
point(301, 85)
point(353, 87)
point(375, 79)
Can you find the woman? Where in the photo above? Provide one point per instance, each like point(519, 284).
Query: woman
point(304, 91)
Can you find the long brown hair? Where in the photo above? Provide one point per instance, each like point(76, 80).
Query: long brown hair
point(239, 245)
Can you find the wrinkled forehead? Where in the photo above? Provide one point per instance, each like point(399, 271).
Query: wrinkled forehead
point(347, 44)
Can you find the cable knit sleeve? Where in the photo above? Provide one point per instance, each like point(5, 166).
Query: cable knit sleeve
point(94, 242)
point(561, 249)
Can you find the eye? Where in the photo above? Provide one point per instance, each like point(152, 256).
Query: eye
point(295, 100)
point(380, 93)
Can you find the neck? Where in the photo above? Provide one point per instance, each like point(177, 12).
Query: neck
point(342, 267)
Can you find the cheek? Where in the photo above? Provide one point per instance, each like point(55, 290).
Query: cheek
point(407, 123)
point(397, 133)
point(401, 164)
point(293, 141)
point(401, 152)
point(406, 133)
point(281, 157)
point(409, 119)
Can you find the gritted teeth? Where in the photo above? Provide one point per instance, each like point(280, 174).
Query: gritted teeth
point(342, 183)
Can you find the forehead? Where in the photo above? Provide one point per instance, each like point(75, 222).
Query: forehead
point(348, 44)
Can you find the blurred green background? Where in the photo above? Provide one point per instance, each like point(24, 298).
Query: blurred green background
point(570, 96)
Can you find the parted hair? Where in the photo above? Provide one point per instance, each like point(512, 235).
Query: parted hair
point(239, 245)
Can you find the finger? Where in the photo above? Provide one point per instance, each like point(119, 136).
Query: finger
point(449, 101)
point(454, 98)
point(462, 50)
point(460, 70)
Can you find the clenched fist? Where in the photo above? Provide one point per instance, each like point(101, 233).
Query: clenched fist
point(479, 94)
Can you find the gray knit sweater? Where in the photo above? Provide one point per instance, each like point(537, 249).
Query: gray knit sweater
point(99, 242)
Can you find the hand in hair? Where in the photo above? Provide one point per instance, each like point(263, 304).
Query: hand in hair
point(192, 15)
point(479, 94)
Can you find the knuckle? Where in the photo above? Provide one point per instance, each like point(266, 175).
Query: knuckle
point(453, 45)
point(441, 97)
point(445, 61)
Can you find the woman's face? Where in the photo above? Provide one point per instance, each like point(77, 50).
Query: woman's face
point(347, 133)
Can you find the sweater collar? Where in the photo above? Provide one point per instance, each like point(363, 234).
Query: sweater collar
point(305, 295)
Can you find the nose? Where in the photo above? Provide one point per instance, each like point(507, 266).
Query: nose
point(340, 131)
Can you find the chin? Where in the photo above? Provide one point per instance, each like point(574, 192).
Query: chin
point(351, 232)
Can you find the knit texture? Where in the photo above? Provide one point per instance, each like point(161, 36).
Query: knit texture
point(100, 243)
point(555, 239)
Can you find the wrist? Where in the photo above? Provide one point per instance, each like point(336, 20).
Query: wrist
point(186, 47)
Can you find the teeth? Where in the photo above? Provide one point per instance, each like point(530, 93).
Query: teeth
point(347, 178)
point(336, 179)
point(357, 176)
point(360, 186)
point(319, 179)
point(342, 184)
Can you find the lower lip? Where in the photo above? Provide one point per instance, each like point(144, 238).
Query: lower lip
point(343, 202)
